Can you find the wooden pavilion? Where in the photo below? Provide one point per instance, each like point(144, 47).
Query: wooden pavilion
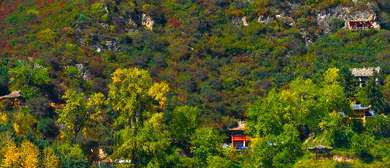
point(320, 149)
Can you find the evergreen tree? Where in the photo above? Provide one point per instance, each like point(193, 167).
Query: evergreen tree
point(374, 95)
point(346, 80)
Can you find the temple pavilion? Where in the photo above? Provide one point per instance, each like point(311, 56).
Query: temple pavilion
point(362, 75)
point(320, 149)
point(239, 139)
point(360, 113)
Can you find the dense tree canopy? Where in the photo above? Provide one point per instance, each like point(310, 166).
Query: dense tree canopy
point(160, 82)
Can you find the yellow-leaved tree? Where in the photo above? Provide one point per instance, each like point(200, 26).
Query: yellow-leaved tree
point(50, 158)
point(79, 113)
point(3, 118)
point(132, 93)
point(28, 154)
point(11, 157)
point(142, 135)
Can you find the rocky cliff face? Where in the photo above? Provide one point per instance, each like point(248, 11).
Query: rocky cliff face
point(322, 18)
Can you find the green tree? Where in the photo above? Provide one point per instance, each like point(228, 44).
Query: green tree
point(74, 75)
point(386, 93)
point(336, 23)
point(374, 94)
point(132, 94)
point(347, 81)
point(277, 150)
point(79, 113)
point(379, 126)
point(70, 155)
point(142, 135)
point(148, 145)
point(184, 121)
point(335, 134)
point(363, 144)
point(25, 76)
point(332, 93)
point(206, 142)
point(264, 115)
point(295, 105)
point(218, 162)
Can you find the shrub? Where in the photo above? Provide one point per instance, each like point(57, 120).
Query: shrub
point(336, 23)
point(39, 106)
point(97, 9)
point(46, 127)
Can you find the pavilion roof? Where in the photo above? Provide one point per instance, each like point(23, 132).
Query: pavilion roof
point(13, 94)
point(359, 107)
point(364, 72)
point(320, 148)
point(369, 113)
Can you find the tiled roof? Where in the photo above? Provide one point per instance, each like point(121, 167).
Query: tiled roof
point(320, 148)
point(359, 107)
point(364, 71)
point(13, 94)
point(342, 114)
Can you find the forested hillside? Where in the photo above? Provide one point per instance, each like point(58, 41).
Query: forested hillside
point(159, 82)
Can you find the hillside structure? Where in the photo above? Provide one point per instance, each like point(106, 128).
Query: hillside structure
point(239, 139)
point(362, 75)
point(320, 149)
point(354, 25)
point(359, 113)
point(15, 97)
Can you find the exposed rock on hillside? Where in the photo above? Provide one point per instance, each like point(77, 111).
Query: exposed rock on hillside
point(322, 19)
point(147, 21)
point(84, 72)
point(240, 20)
point(346, 13)
point(266, 19)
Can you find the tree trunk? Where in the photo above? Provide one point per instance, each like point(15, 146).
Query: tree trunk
point(132, 123)
point(137, 118)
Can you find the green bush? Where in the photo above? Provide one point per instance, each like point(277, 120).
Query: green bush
point(97, 9)
point(46, 127)
point(336, 23)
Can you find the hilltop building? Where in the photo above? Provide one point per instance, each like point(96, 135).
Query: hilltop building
point(362, 75)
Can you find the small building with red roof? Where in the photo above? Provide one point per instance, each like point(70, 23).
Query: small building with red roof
point(239, 139)
point(354, 25)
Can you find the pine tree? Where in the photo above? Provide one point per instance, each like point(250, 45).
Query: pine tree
point(346, 80)
point(374, 95)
